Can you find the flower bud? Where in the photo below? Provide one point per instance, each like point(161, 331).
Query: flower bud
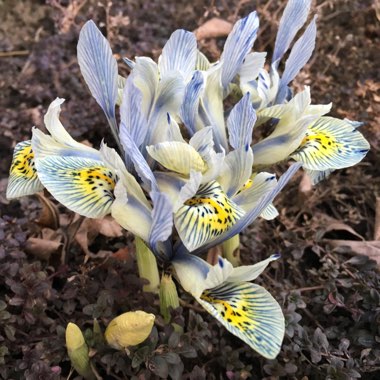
point(78, 351)
point(168, 296)
point(129, 329)
point(147, 266)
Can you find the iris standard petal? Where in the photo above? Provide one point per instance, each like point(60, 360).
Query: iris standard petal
point(294, 16)
point(179, 54)
point(250, 69)
point(190, 104)
point(162, 222)
point(298, 57)
point(83, 185)
point(240, 123)
point(23, 178)
point(331, 143)
point(249, 312)
point(237, 46)
point(236, 170)
point(99, 70)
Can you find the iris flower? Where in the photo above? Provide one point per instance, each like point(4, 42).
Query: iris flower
point(187, 174)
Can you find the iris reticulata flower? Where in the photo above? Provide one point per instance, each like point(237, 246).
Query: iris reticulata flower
point(187, 174)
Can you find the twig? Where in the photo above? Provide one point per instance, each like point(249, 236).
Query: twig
point(13, 53)
point(310, 288)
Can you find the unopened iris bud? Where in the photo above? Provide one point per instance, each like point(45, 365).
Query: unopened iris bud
point(78, 351)
point(168, 296)
point(129, 329)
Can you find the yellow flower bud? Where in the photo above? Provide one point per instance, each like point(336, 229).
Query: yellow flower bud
point(129, 329)
point(78, 351)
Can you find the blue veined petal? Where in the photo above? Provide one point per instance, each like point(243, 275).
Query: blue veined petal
point(190, 104)
point(23, 178)
point(237, 46)
point(211, 110)
point(129, 62)
point(131, 115)
point(317, 176)
point(294, 16)
point(191, 272)
point(205, 216)
point(82, 185)
point(236, 170)
point(112, 160)
point(251, 272)
point(140, 164)
point(168, 99)
point(174, 131)
point(240, 123)
point(270, 212)
point(331, 144)
point(251, 215)
point(250, 69)
point(59, 142)
point(179, 54)
point(162, 223)
point(145, 74)
point(260, 185)
point(249, 312)
point(298, 57)
point(99, 70)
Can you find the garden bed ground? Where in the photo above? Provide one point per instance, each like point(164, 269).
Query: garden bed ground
point(327, 285)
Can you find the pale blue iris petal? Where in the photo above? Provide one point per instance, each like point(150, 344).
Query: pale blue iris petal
point(317, 176)
point(251, 215)
point(240, 123)
point(270, 212)
point(146, 78)
point(191, 272)
point(298, 57)
point(168, 99)
point(131, 64)
point(237, 168)
point(294, 16)
point(190, 105)
point(249, 312)
point(141, 166)
point(99, 69)
point(253, 63)
point(179, 54)
point(162, 222)
point(237, 46)
point(132, 118)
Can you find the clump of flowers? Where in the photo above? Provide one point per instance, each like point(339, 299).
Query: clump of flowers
point(187, 175)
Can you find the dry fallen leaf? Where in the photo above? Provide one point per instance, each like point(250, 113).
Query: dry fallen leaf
point(49, 215)
point(213, 28)
point(370, 249)
point(45, 246)
point(376, 234)
point(91, 228)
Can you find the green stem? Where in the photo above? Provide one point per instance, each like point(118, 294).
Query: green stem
point(147, 265)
